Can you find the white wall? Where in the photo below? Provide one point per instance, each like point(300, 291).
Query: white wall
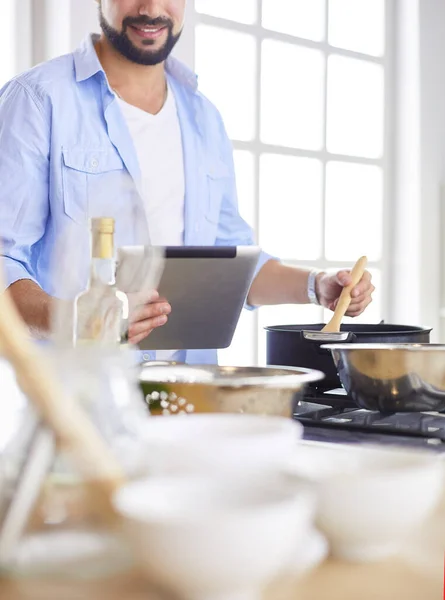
point(84, 20)
point(432, 143)
point(405, 239)
point(418, 290)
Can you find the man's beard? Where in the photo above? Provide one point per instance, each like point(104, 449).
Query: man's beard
point(122, 43)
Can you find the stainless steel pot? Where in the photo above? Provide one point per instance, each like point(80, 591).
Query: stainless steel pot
point(300, 345)
point(392, 377)
point(186, 389)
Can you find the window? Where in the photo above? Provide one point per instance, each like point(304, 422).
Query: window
point(16, 41)
point(301, 85)
point(8, 63)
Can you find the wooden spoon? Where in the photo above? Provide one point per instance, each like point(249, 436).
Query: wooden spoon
point(74, 431)
point(345, 297)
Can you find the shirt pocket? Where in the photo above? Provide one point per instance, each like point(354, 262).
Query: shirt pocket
point(218, 184)
point(82, 171)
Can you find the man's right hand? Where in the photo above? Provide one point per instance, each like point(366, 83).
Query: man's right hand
point(146, 317)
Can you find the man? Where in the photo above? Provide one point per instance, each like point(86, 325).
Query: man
point(75, 130)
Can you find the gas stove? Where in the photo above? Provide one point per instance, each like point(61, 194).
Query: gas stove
point(331, 416)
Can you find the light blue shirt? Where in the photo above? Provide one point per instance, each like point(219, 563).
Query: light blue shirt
point(66, 155)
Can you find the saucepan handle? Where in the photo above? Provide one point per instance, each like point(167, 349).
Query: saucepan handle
point(318, 338)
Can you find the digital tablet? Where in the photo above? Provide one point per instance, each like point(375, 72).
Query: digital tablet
point(206, 287)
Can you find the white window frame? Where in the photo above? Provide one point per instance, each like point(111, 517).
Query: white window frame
point(257, 147)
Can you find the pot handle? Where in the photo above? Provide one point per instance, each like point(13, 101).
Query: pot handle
point(318, 338)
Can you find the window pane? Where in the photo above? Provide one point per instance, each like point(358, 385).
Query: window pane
point(8, 40)
point(374, 312)
point(357, 25)
point(245, 183)
point(242, 350)
point(354, 208)
point(242, 11)
point(292, 96)
point(291, 206)
point(355, 107)
point(302, 18)
point(225, 63)
point(288, 314)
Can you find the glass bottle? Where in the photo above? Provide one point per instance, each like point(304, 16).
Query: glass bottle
point(101, 311)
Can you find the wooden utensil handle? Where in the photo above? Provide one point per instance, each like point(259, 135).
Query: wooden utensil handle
point(356, 275)
point(345, 297)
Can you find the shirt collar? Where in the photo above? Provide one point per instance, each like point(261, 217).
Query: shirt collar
point(87, 64)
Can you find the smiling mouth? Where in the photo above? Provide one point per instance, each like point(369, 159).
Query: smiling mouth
point(148, 33)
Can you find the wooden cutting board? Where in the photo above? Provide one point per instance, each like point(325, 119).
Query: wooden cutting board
point(334, 580)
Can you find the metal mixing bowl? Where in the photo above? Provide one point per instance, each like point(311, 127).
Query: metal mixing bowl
point(186, 389)
point(392, 377)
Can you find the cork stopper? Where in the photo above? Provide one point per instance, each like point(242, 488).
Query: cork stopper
point(102, 224)
point(102, 230)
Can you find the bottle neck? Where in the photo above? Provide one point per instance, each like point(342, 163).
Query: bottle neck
point(102, 258)
point(102, 271)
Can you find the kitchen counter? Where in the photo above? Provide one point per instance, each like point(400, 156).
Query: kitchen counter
point(420, 577)
point(332, 581)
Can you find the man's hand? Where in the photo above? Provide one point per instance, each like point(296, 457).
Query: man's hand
point(329, 287)
point(146, 317)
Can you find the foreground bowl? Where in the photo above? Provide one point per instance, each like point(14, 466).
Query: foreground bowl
point(371, 511)
point(392, 377)
point(209, 443)
point(184, 389)
point(204, 538)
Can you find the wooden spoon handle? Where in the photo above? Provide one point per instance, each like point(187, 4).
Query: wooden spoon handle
point(345, 297)
point(73, 430)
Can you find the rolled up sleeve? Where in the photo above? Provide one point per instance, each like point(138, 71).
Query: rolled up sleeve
point(232, 229)
point(24, 174)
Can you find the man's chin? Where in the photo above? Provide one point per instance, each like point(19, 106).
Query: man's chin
point(148, 48)
point(151, 57)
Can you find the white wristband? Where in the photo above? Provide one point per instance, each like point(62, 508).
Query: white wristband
point(311, 292)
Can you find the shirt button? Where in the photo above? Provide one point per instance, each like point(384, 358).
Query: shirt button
point(94, 163)
point(197, 228)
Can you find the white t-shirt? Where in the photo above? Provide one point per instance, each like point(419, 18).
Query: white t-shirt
point(158, 143)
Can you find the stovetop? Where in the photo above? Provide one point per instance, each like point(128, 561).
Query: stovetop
point(331, 416)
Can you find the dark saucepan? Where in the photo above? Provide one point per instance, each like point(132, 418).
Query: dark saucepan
point(291, 345)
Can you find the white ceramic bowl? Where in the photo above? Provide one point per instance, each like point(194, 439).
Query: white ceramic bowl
point(220, 443)
point(426, 549)
point(312, 550)
point(316, 461)
point(218, 539)
point(369, 511)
